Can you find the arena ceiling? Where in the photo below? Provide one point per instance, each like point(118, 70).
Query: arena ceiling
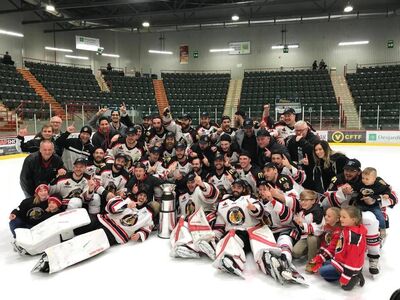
point(128, 15)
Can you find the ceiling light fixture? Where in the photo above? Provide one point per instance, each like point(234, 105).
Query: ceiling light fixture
point(12, 33)
point(235, 18)
point(290, 46)
point(77, 57)
point(146, 24)
point(161, 52)
point(50, 8)
point(348, 8)
point(222, 50)
point(58, 49)
point(353, 43)
point(110, 55)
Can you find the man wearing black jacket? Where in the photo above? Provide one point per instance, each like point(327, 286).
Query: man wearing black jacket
point(42, 166)
point(265, 146)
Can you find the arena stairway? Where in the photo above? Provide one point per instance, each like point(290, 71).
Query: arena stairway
point(233, 97)
point(343, 93)
point(42, 92)
point(161, 96)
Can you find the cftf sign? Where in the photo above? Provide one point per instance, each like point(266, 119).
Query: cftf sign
point(347, 136)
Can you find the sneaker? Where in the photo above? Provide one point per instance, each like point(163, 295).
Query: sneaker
point(42, 265)
point(309, 267)
point(374, 265)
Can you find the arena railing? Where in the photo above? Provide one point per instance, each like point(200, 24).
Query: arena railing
point(392, 63)
point(197, 71)
point(50, 62)
point(307, 68)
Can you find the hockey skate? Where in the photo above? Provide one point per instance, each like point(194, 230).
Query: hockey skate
point(357, 279)
point(273, 266)
point(42, 265)
point(290, 273)
point(207, 248)
point(228, 265)
point(21, 251)
point(185, 252)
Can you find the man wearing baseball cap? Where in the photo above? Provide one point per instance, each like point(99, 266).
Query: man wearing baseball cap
point(74, 148)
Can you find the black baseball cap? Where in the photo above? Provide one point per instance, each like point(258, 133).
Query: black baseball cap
point(219, 156)
point(80, 160)
point(120, 155)
point(205, 114)
point(245, 153)
point(155, 149)
point(190, 177)
point(186, 116)
point(131, 130)
point(204, 139)
point(86, 129)
point(239, 181)
point(353, 164)
point(289, 110)
point(180, 145)
point(248, 123)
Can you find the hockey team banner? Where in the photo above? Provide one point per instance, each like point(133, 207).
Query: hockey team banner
point(8, 145)
point(347, 136)
point(240, 48)
point(87, 43)
point(184, 54)
point(385, 137)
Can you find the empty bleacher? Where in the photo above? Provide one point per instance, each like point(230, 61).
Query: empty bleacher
point(68, 85)
point(136, 92)
point(373, 86)
point(312, 89)
point(15, 93)
point(187, 92)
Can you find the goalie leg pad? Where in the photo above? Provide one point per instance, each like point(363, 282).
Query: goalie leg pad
point(73, 251)
point(47, 233)
point(181, 237)
point(230, 247)
point(94, 205)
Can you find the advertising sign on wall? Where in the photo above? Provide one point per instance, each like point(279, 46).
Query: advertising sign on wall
point(8, 145)
point(346, 136)
point(386, 137)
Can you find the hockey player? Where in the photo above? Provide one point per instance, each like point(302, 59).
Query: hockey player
point(95, 164)
point(113, 178)
point(287, 167)
point(168, 145)
point(196, 211)
point(225, 129)
point(179, 165)
point(206, 127)
point(73, 187)
point(154, 164)
point(156, 134)
point(125, 220)
point(204, 151)
point(229, 150)
point(220, 176)
point(248, 172)
point(129, 146)
point(239, 218)
point(285, 129)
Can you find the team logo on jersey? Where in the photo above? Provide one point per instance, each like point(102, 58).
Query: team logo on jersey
point(35, 213)
point(67, 184)
point(111, 187)
point(367, 192)
point(75, 193)
point(129, 220)
point(236, 216)
point(339, 245)
point(190, 207)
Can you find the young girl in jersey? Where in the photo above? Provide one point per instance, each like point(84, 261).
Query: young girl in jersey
point(33, 210)
point(329, 239)
point(346, 265)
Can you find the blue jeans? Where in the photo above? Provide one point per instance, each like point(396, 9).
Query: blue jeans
point(329, 272)
point(376, 210)
point(18, 223)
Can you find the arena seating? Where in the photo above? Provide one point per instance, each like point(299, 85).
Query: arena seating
point(137, 92)
point(312, 89)
point(15, 92)
point(68, 85)
point(373, 86)
point(187, 92)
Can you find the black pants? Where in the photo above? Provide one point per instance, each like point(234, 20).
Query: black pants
point(94, 225)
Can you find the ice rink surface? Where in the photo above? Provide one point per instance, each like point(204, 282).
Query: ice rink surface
point(147, 271)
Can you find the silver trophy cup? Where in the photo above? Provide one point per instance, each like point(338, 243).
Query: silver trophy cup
point(168, 211)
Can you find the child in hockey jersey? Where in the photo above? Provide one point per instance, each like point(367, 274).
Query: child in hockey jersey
point(309, 222)
point(34, 210)
point(329, 239)
point(372, 191)
point(346, 265)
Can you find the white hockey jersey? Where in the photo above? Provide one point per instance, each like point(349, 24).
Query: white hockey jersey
point(133, 154)
point(205, 198)
point(123, 222)
point(234, 214)
point(69, 188)
point(111, 181)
